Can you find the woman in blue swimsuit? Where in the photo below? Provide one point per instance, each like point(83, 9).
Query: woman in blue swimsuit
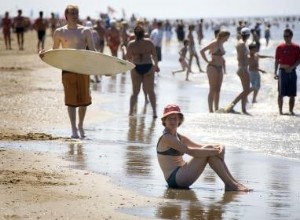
point(172, 146)
point(142, 53)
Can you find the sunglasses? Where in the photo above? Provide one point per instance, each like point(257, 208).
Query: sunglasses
point(286, 36)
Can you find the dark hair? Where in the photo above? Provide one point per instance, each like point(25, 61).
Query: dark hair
point(289, 31)
point(139, 32)
point(191, 27)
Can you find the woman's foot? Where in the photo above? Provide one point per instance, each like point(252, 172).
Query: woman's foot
point(238, 187)
point(229, 108)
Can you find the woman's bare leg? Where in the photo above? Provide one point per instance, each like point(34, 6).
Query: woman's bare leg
point(215, 79)
point(218, 90)
point(136, 87)
point(190, 172)
point(148, 86)
point(219, 166)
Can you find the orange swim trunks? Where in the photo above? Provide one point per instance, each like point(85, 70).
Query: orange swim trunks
point(77, 89)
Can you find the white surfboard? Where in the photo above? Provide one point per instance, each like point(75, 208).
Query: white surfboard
point(85, 62)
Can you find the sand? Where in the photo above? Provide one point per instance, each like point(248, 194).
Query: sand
point(43, 185)
point(37, 185)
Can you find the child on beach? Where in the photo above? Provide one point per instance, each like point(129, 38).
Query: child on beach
point(254, 69)
point(182, 57)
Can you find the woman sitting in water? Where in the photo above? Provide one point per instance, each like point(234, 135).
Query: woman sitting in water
point(172, 146)
point(215, 68)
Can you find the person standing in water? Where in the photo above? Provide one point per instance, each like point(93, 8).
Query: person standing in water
point(192, 51)
point(287, 58)
point(243, 72)
point(254, 69)
point(141, 51)
point(215, 68)
point(172, 146)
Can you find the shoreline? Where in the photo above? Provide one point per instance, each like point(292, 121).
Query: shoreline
point(41, 186)
point(38, 183)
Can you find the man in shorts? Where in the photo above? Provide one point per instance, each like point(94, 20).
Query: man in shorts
point(41, 25)
point(76, 86)
point(287, 58)
point(20, 24)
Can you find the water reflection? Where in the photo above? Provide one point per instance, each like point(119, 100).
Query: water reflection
point(123, 83)
point(138, 154)
point(188, 206)
point(280, 196)
point(75, 154)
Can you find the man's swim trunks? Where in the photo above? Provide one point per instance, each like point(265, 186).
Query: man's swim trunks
point(77, 89)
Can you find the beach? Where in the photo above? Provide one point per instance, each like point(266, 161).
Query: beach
point(113, 173)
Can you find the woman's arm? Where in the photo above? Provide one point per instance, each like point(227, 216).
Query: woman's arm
point(203, 50)
point(185, 145)
point(154, 57)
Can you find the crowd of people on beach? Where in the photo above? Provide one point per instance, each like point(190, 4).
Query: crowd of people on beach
point(140, 41)
point(121, 35)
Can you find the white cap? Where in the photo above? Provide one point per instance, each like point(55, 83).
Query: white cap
point(245, 31)
point(89, 24)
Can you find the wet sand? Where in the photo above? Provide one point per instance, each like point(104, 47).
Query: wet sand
point(40, 185)
point(113, 174)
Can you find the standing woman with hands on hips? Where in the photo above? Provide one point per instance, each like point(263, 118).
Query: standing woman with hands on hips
point(215, 68)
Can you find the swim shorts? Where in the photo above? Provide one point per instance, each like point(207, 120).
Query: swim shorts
point(287, 83)
point(254, 79)
point(77, 89)
point(158, 53)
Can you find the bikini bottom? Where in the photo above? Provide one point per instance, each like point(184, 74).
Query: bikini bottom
point(218, 68)
point(143, 68)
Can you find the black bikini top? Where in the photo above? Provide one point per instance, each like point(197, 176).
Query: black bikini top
point(171, 151)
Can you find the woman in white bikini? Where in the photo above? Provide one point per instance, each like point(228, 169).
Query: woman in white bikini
point(243, 72)
point(172, 146)
point(215, 68)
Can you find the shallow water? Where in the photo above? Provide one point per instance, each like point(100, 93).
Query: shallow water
point(263, 149)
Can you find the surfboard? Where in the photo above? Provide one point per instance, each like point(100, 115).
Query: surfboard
point(85, 62)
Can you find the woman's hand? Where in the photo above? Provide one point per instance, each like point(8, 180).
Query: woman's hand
point(221, 151)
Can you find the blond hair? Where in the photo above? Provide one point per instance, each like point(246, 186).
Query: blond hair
point(223, 34)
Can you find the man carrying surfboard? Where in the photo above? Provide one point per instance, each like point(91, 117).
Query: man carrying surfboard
point(76, 86)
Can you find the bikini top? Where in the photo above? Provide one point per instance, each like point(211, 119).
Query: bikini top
point(171, 151)
point(219, 51)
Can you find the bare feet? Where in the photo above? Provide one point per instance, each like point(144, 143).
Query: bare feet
point(74, 133)
point(81, 131)
point(238, 187)
point(229, 108)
